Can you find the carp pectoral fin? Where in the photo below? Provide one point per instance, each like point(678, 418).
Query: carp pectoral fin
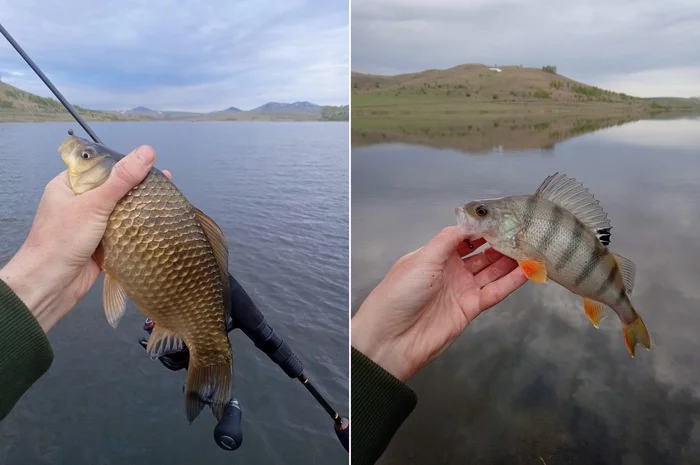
point(113, 300)
point(595, 311)
point(99, 255)
point(163, 341)
point(534, 270)
point(216, 238)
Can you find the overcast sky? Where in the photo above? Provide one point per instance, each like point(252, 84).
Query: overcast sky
point(186, 55)
point(640, 47)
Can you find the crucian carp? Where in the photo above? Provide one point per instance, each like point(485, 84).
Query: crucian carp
point(561, 233)
point(171, 261)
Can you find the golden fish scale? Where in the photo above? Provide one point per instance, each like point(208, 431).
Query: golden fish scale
point(157, 250)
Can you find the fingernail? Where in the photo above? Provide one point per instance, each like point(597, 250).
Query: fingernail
point(145, 154)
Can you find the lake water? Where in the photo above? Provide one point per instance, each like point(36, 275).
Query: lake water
point(279, 191)
point(531, 381)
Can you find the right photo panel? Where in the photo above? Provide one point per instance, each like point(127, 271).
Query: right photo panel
point(525, 182)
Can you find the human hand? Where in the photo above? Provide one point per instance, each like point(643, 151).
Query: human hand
point(428, 298)
point(54, 269)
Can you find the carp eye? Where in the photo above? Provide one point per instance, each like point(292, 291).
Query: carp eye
point(86, 156)
point(481, 210)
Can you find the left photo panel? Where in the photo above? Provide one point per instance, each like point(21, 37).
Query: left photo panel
point(174, 225)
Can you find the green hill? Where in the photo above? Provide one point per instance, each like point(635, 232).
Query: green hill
point(19, 105)
point(476, 107)
point(480, 83)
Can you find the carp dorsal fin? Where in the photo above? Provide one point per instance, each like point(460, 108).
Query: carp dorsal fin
point(571, 195)
point(218, 243)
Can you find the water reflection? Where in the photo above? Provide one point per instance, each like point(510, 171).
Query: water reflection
point(659, 133)
point(516, 401)
point(479, 135)
point(532, 377)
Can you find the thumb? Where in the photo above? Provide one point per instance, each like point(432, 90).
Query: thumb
point(444, 244)
point(125, 175)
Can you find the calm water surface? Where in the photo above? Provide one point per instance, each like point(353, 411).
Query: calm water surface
point(279, 192)
point(532, 380)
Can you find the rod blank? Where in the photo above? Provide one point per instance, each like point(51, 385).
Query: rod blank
point(55, 91)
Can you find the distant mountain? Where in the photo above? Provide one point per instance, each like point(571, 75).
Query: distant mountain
point(227, 111)
point(276, 111)
point(19, 105)
point(231, 110)
point(145, 112)
point(271, 111)
point(276, 107)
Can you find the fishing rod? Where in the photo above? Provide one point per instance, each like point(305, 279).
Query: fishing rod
point(48, 83)
point(245, 316)
point(248, 318)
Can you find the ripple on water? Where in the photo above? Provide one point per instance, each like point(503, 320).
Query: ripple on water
point(280, 194)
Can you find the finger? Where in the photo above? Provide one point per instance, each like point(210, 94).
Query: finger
point(60, 184)
point(61, 178)
point(464, 248)
point(125, 175)
point(168, 175)
point(409, 255)
point(494, 292)
point(478, 262)
point(497, 270)
point(444, 244)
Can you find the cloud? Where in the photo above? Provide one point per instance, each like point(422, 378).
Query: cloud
point(188, 55)
point(677, 82)
point(643, 47)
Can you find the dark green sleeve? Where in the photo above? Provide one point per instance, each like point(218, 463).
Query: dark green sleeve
point(25, 352)
point(380, 403)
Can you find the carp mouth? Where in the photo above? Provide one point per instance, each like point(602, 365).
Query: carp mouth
point(66, 148)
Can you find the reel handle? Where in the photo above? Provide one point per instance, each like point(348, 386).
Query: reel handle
point(228, 433)
point(342, 430)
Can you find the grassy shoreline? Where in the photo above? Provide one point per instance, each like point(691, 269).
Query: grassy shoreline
point(67, 117)
point(473, 108)
point(483, 127)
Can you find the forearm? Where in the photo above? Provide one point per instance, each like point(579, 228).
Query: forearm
point(375, 337)
point(380, 404)
point(25, 352)
point(40, 283)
